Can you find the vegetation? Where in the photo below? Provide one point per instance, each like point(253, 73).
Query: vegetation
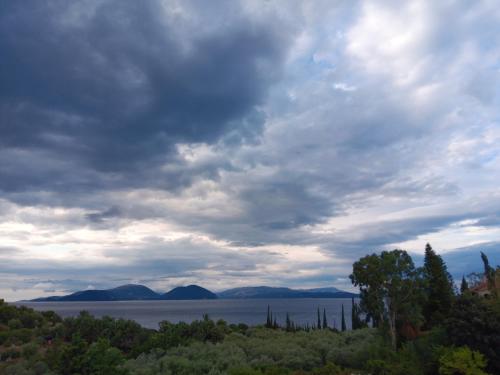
point(407, 336)
point(390, 290)
point(438, 286)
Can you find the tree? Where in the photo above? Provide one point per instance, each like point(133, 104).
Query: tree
point(325, 323)
point(464, 287)
point(489, 274)
point(319, 320)
point(288, 322)
point(356, 321)
point(389, 288)
point(438, 288)
point(343, 325)
point(269, 320)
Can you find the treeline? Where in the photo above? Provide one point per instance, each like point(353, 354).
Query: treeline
point(321, 323)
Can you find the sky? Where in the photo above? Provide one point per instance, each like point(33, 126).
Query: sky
point(237, 143)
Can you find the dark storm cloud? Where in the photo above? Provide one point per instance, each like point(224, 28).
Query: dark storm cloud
point(112, 88)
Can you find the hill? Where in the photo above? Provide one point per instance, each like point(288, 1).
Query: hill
point(128, 292)
point(189, 292)
point(273, 292)
point(133, 292)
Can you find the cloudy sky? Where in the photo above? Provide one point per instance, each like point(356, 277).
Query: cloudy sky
point(237, 143)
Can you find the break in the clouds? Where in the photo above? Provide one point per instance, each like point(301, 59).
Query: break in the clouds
point(243, 142)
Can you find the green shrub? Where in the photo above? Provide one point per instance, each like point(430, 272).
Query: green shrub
point(29, 350)
point(461, 361)
point(14, 324)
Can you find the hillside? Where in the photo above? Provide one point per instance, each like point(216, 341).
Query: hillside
point(128, 292)
point(190, 292)
point(273, 292)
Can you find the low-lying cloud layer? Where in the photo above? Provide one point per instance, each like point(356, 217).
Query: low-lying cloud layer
point(242, 143)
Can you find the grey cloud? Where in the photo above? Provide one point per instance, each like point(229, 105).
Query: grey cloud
point(6, 250)
point(282, 206)
point(489, 221)
point(99, 217)
point(114, 89)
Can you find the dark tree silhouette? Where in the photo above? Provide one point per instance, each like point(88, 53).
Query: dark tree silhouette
point(464, 287)
point(438, 288)
point(343, 325)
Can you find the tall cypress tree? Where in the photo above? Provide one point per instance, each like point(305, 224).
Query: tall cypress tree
point(356, 321)
point(325, 323)
point(269, 321)
point(353, 315)
point(489, 273)
point(439, 288)
point(288, 322)
point(343, 325)
point(464, 286)
point(319, 320)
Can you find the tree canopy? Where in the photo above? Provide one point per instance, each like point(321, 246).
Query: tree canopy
point(389, 289)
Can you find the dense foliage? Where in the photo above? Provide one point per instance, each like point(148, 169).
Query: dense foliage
point(405, 302)
point(460, 337)
point(390, 290)
point(438, 286)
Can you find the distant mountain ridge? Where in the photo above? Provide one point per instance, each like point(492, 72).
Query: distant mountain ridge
point(281, 292)
point(133, 292)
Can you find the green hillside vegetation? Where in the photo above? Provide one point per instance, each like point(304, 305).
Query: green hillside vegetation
point(400, 327)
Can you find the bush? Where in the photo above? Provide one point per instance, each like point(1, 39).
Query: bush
point(461, 361)
point(14, 324)
point(102, 359)
point(29, 350)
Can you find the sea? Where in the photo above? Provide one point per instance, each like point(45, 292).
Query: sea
point(248, 311)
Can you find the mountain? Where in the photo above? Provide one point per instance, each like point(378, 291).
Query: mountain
point(272, 292)
point(188, 292)
point(128, 292)
point(133, 292)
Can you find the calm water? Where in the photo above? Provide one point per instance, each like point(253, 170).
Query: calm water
point(249, 311)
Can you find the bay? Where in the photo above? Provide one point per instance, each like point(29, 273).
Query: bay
point(248, 311)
